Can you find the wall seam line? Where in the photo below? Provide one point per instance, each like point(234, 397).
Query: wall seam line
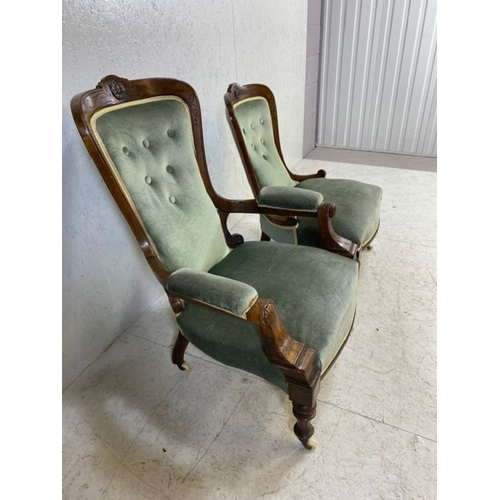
point(413, 71)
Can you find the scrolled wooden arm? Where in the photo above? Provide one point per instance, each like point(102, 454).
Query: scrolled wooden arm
point(291, 356)
point(299, 178)
point(334, 242)
point(286, 217)
point(252, 207)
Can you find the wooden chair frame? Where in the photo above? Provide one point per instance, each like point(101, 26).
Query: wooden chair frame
point(293, 358)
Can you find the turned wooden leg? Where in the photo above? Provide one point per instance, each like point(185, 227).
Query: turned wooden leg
point(296, 362)
point(303, 428)
point(178, 352)
point(264, 237)
point(304, 410)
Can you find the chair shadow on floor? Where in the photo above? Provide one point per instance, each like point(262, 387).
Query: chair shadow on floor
point(150, 427)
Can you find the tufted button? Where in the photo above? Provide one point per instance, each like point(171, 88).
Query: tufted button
point(145, 143)
point(243, 130)
point(170, 169)
point(262, 141)
point(170, 132)
point(253, 146)
point(261, 121)
point(252, 126)
point(147, 179)
point(171, 199)
point(125, 151)
point(264, 157)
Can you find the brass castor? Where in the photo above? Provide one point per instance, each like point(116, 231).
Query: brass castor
point(310, 444)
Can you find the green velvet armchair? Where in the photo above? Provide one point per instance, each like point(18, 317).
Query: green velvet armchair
point(279, 311)
point(351, 225)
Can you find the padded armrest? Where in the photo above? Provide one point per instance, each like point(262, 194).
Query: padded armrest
point(226, 294)
point(289, 198)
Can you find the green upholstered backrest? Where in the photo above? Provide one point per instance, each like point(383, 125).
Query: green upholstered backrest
point(254, 118)
point(150, 147)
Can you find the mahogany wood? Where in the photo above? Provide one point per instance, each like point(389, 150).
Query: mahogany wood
point(179, 349)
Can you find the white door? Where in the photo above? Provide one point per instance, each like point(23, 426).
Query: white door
point(378, 81)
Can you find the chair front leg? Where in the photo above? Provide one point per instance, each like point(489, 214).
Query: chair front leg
point(303, 428)
point(295, 361)
point(303, 389)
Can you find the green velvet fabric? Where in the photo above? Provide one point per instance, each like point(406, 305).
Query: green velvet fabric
point(283, 234)
point(358, 210)
point(223, 293)
point(151, 147)
point(254, 119)
point(289, 197)
point(315, 293)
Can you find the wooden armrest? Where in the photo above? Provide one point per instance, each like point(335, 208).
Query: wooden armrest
point(299, 178)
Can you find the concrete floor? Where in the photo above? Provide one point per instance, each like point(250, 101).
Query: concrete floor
point(135, 427)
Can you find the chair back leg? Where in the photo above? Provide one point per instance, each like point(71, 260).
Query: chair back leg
point(178, 352)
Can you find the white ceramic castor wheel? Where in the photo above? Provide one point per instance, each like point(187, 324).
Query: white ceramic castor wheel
point(310, 444)
point(185, 367)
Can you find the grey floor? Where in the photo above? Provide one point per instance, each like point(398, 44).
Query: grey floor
point(135, 427)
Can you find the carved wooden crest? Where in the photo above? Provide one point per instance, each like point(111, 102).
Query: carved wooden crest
point(117, 89)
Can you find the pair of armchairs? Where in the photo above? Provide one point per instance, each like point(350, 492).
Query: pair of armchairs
point(282, 312)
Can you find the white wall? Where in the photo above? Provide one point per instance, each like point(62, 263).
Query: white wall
point(209, 44)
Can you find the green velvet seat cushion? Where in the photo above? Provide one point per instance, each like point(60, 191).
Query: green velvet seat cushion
point(315, 292)
point(358, 210)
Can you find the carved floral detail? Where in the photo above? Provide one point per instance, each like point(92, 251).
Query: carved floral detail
point(101, 99)
point(88, 103)
point(117, 89)
point(192, 103)
point(268, 314)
